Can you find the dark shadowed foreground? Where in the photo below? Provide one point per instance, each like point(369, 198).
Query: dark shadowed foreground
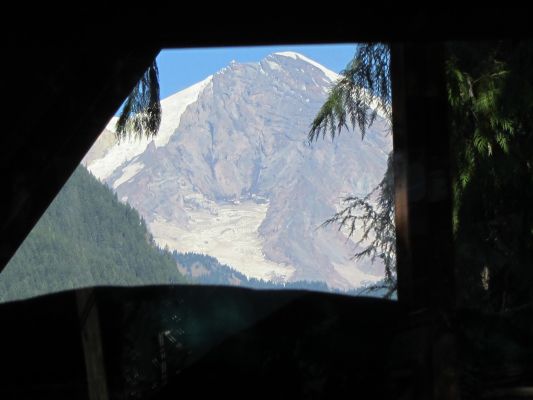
point(163, 342)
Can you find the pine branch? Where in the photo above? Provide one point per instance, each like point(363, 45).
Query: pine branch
point(141, 115)
point(359, 95)
point(376, 223)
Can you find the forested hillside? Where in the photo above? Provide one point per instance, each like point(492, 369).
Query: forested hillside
point(86, 237)
point(207, 270)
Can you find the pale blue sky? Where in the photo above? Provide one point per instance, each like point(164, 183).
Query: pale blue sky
point(180, 68)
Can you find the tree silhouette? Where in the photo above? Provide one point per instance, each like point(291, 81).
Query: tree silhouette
point(141, 114)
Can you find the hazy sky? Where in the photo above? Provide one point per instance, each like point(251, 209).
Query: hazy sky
point(180, 68)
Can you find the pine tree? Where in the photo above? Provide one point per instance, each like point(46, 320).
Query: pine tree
point(490, 97)
point(490, 93)
point(363, 90)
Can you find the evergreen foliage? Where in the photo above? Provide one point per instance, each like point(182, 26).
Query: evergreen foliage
point(207, 270)
point(490, 93)
point(141, 115)
point(363, 90)
point(490, 90)
point(375, 214)
point(215, 273)
point(490, 97)
point(86, 237)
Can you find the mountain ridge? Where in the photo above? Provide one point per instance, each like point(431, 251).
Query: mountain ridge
point(236, 178)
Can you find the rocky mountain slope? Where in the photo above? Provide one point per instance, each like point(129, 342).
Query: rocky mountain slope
point(231, 174)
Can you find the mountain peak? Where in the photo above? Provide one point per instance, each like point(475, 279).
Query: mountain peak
point(333, 76)
point(230, 174)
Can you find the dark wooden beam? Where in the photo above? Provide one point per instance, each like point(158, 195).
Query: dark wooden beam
point(422, 168)
point(91, 337)
point(423, 212)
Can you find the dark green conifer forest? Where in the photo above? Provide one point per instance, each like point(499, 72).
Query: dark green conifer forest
point(86, 237)
point(215, 273)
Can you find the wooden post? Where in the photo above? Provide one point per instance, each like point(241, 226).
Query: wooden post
point(423, 210)
point(92, 344)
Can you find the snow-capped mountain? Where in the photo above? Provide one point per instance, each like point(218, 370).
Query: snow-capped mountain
point(231, 174)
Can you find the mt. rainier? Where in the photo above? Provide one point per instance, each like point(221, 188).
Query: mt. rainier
point(230, 173)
